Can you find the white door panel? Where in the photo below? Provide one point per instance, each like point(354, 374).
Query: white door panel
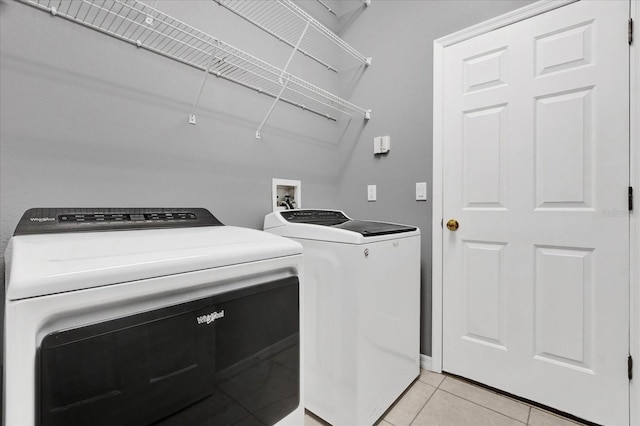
point(536, 168)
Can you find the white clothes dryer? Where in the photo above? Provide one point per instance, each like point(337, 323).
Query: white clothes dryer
point(362, 311)
point(150, 316)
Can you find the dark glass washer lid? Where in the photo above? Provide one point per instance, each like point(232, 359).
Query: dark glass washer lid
point(337, 219)
point(372, 229)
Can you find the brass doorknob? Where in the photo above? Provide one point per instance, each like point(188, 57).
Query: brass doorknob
point(452, 225)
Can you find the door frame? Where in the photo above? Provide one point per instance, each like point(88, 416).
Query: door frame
point(439, 45)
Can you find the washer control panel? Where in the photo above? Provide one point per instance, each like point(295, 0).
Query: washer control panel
point(315, 217)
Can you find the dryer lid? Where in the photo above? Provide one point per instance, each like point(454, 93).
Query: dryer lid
point(49, 263)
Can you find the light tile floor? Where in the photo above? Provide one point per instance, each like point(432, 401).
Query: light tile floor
point(439, 400)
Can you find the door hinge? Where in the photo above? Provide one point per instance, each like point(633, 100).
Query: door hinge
point(630, 198)
point(630, 367)
point(441, 223)
point(630, 30)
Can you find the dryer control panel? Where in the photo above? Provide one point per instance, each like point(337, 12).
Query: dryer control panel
point(57, 220)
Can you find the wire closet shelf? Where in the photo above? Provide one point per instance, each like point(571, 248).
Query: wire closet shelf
point(148, 28)
point(286, 21)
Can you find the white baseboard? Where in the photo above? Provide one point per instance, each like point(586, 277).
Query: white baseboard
point(425, 362)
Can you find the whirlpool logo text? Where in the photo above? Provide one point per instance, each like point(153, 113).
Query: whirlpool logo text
point(209, 318)
point(42, 219)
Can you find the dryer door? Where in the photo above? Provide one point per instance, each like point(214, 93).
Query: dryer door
point(228, 359)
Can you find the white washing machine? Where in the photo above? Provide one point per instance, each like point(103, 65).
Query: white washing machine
point(150, 316)
point(362, 311)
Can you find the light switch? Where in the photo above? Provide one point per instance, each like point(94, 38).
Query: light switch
point(371, 193)
point(421, 191)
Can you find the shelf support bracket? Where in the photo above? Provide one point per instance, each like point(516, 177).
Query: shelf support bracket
point(283, 83)
point(192, 115)
point(273, 105)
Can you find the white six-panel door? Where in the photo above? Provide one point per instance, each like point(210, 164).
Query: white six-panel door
point(536, 171)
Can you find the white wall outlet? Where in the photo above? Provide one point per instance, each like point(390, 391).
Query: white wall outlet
point(371, 193)
point(421, 191)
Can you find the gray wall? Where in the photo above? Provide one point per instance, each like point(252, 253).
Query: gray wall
point(86, 120)
point(398, 87)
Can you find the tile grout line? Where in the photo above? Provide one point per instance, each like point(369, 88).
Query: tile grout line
point(490, 409)
point(428, 399)
point(424, 405)
point(530, 407)
point(405, 393)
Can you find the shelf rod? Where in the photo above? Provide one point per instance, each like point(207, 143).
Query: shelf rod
point(296, 104)
point(326, 6)
point(284, 85)
point(192, 116)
